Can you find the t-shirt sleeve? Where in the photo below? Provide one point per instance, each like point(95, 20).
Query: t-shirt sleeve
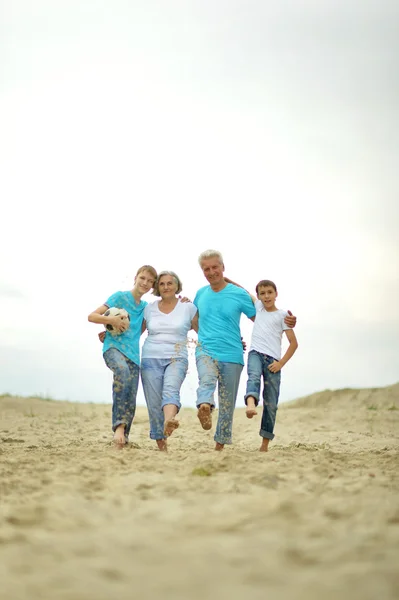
point(192, 310)
point(284, 326)
point(113, 300)
point(247, 306)
point(147, 311)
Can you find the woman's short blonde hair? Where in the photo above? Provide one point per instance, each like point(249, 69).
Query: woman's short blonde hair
point(171, 274)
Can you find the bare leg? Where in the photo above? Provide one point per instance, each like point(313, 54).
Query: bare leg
point(162, 445)
point(205, 416)
point(219, 447)
point(264, 445)
point(251, 407)
point(119, 436)
point(170, 411)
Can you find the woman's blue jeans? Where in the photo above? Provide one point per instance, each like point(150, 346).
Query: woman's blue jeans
point(257, 368)
point(162, 380)
point(124, 388)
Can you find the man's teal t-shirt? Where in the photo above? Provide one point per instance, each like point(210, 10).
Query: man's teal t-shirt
point(219, 313)
point(127, 342)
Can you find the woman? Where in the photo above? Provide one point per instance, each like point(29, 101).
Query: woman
point(164, 359)
point(121, 352)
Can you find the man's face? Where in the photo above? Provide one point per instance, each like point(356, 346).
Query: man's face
point(267, 295)
point(213, 270)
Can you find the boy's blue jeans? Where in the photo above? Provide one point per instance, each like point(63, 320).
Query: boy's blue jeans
point(227, 376)
point(124, 388)
point(257, 366)
point(162, 380)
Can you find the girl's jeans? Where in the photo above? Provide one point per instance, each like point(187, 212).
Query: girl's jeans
point(162, 380)
point(124, 389)
point(256, 367)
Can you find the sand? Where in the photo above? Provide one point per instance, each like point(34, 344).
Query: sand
point(317, 517)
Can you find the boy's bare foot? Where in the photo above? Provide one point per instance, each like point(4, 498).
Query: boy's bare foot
point(162, 445)
point(251, 407)
point(205, 416)
point(170, 426)
point(265, 445)
point(219, 447)
point(119, 436)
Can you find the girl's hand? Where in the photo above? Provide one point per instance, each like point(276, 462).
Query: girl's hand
point(275, 367)
point(101, 336)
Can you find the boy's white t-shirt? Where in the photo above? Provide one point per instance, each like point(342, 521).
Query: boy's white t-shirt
point(167, 334)
point(268, 330)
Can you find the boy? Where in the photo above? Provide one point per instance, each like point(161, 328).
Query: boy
point(264, 358)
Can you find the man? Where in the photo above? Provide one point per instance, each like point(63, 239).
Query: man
point(219, 354)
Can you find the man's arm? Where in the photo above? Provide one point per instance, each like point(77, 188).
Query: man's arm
point(279, 364)
point(228, 280)
point(290, 320)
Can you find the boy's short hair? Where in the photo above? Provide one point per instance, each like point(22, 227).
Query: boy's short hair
point(175, 277)
point(266, 283)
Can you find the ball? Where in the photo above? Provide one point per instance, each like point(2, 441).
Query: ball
point(113, 311)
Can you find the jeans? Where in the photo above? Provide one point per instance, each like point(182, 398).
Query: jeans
point(227, 376)
point(162, 380)
point(257, 366)
point(124, 388)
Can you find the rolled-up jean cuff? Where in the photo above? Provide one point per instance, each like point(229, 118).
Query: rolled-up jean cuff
point(174, 402)
point(117, 423)
point(222, 440)
point(157, 436)
point(266, 434)
point(253, 396)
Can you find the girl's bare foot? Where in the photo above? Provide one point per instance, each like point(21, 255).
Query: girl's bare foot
point(119, 436)
point(162, 445)
point(219, 447)
point(251, 407)
point(205, 416)
point(265, 445)
point(170, 426)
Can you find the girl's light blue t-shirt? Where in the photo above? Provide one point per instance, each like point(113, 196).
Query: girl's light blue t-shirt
point(127, 342)
point(220, 313)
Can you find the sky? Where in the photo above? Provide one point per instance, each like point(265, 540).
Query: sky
point(146, 132)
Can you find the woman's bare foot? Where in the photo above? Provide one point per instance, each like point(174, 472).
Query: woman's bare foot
point(162, 445)
point(170, 426)
point(265, 445)
point(251, 407)
point(205, 416)
point(119, 436)
point(219, 447)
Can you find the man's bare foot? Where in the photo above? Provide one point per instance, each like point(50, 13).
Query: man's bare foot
point(265, 445)
point(119, 436)
point(251, 407)
point(170, 426)
point(162, 445)
point(205, 416)
point(219, 447)
point(251, 412)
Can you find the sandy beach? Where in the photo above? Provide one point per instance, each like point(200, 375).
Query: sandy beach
point(317, 517)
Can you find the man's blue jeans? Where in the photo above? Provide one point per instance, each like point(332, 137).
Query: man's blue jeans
point(162, 380)
point(124, 388)
point(227, 376)
point(257, 367)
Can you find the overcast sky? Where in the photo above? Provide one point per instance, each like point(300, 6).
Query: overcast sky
point(146, 132)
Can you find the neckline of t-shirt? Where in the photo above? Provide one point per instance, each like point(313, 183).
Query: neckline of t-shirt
point(171, 312)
